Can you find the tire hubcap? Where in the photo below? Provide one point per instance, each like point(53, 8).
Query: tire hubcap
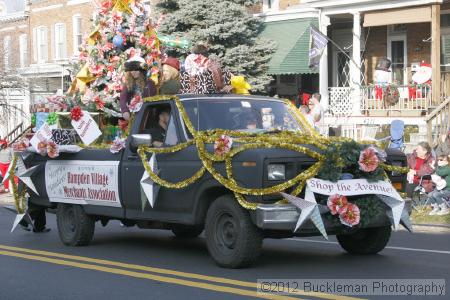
point(226, 231)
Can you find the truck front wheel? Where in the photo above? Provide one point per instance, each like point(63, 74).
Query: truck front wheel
point(75, 227)
point(232, 239)
point(365, 240)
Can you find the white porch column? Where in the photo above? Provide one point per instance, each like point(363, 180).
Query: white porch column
point(355, 65)
point(324, 22)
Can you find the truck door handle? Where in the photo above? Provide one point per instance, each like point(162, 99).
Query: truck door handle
point(132, 157)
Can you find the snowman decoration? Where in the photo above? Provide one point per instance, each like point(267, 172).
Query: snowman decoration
point(268, 118)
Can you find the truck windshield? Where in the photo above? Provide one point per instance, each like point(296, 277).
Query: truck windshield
point(241, 115)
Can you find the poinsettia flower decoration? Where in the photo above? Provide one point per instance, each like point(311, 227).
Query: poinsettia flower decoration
point(368, 160)
point(351, 216)
point(223, 145)
point(117, 145)
point(135, 103)
point(337, 204)
point(52, 149)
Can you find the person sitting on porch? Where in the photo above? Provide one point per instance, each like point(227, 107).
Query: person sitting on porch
point(382, 77)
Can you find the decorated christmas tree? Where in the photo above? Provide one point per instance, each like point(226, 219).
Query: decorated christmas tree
point(228, 28)
point(122, 29)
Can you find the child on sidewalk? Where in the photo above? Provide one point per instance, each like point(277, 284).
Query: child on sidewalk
point(442, 191)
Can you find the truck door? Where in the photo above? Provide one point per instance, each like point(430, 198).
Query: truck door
point(171, 205)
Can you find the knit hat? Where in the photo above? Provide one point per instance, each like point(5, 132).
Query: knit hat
point(136, 63)
point(3, 142)
point(173, 62)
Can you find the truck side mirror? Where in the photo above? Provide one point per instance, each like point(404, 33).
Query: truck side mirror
point(143, 139)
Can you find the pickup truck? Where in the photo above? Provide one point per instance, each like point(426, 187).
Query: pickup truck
point(95, 185)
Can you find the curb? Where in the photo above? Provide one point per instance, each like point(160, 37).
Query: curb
point(432, 225)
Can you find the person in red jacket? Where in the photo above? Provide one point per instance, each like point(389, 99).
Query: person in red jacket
point(421, 163)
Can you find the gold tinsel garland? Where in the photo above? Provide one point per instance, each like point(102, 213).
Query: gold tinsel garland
point(19, 198)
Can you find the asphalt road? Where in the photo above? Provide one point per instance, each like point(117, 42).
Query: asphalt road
point(131, 263)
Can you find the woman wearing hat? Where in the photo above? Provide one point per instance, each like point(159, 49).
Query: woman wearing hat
point(170, 76)
point(136, 85)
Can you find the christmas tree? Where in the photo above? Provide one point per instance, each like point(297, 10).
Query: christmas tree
point(121, 30)
point(229, 30)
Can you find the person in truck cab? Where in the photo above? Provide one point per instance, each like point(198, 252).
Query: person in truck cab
point(158, 128)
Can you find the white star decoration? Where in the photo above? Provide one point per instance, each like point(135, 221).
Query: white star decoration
point(25, 174)
point(397, 210)
point(148, 186)
point(309, 210)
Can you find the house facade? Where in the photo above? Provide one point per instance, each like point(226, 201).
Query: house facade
point(57, 29)
point(408, 32)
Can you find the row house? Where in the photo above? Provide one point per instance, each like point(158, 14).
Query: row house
point(56, 29)
point(40, 39)
point(408, 32)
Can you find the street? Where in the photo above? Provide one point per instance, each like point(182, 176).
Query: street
point(131, 263)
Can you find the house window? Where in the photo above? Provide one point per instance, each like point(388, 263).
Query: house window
point(40, 47)
point(23, 50)
point(60, 41)
point(77, 35)
point(7, 52)
point(398, 63)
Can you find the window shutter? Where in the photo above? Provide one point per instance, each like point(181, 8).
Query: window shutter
point(63, 41)
point(23, 50)
point(45, 43)
point(54, 43)
point(35, 45)
point(445, 49)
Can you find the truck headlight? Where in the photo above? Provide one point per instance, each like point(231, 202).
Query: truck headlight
point(276, 172)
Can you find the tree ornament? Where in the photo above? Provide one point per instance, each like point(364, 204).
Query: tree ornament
point(118, 41)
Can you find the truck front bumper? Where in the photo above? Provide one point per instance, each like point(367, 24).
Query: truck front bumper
point(285, 216)
point(276, 217)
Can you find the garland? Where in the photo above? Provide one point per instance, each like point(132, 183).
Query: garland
point(19, 197)
point(338, 155)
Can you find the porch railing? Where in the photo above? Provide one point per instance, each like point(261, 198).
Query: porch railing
point(438, 122)
point(410, 99)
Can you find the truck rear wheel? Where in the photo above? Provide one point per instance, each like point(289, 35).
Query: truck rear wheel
point(232, 239)
point(365, 240)
point(187, 231)
point(75, 227)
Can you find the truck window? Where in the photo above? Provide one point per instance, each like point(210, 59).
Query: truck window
point(158, 122)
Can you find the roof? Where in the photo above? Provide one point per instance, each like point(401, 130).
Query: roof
point(292, 39)
point(225, 96)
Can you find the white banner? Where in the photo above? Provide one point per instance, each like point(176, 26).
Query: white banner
point(352, 187)
point(83, 182)
point(87, 128)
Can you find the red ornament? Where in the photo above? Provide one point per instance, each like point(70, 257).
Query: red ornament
point(76, 113)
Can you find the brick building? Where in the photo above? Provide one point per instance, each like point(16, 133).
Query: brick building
point(56, 29)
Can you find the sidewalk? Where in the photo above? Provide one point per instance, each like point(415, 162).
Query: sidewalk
point(6, 198)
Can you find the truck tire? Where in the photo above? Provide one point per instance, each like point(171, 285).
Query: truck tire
point(75, 227)
point(233, 241)
point(187, 231)
point(366, 240)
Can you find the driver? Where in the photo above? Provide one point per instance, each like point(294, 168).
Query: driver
point(158, 131)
